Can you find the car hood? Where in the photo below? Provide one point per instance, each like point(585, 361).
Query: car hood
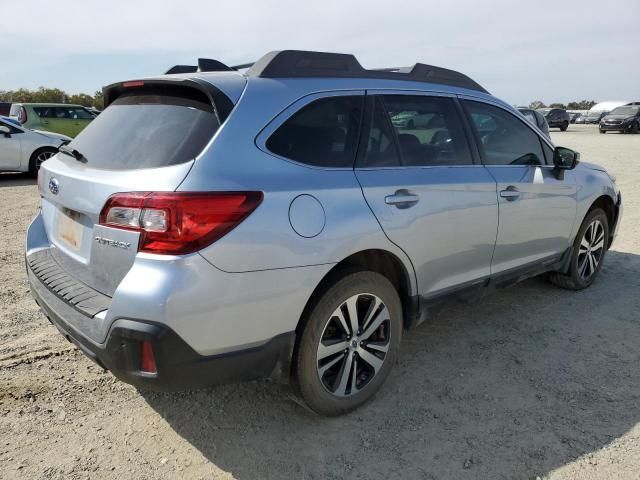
point(617, 117)
point(55, 136)
point(593, 166)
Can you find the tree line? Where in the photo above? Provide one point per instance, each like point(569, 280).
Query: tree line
point(52, 95)
point(581, 105)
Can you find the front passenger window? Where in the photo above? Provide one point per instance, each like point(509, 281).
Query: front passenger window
point(504, 139)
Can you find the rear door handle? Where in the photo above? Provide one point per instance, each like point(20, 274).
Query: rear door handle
point(511, 193)
point(402, 199)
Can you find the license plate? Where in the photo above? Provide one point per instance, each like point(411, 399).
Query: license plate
point(70, 228)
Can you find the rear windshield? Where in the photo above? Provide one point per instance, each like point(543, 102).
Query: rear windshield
point(147, 131)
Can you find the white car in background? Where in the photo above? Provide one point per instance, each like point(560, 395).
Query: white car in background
point(24, 150)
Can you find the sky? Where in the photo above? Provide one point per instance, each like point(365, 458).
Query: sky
point(554, 51)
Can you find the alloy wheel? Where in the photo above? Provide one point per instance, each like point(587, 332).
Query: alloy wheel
point(591, 250)
point(42, 157)
point(353, 345)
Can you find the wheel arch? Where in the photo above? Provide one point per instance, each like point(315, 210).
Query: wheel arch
point(608, 205)
point(36, 152)
point(380, 261)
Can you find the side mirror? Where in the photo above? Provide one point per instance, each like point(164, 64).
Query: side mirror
point(5, 131)
point(565, 158)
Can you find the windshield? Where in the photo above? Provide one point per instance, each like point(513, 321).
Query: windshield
point(147, 131)
point(627, 111)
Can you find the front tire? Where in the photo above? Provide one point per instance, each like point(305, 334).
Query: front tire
point(349, 343)
point(589, 249)
point(564, 126)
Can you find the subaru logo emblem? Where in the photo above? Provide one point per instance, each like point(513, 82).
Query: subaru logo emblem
point(54, 186)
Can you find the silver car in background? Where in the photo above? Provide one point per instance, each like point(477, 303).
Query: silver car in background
point(24, 150)
point(213, 226)
point(537, 119)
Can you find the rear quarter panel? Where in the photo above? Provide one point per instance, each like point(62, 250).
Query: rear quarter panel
point(266, 239)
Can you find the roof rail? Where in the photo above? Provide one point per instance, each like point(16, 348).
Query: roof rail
point(204, 65)
point(299, 63)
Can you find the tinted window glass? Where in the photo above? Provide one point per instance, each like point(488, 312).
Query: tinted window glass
point(504, 139)
point(73, 113)
point(428, 129)
point(146, 131)
point(46, 112)
point(381, 147)
point(323, 133)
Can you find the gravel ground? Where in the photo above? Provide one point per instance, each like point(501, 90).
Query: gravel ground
point(530, 382)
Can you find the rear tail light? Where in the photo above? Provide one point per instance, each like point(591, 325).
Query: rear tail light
point(176, 223)
point(22, 115)
point(147, 359)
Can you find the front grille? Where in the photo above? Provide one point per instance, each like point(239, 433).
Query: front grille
point(78, 295)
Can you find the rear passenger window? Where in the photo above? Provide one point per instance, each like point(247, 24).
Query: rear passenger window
point(324, 133)
point(429, 130)
point(416, 131)
point(504, 139)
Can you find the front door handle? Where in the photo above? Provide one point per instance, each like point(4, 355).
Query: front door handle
point(402, 199)
point(511, 193)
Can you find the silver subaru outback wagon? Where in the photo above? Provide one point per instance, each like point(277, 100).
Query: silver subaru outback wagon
point(293, 221)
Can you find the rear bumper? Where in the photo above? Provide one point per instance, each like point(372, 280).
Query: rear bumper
point(178, 365)
point(206, 326)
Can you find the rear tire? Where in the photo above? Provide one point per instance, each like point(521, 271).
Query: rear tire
point(38, 157)
point(589, 249)
point(564, 126)
point(349, 343)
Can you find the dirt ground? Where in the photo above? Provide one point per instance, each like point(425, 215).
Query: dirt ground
point(532, 381)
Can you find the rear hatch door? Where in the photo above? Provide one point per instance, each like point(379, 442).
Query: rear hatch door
point(146, 140)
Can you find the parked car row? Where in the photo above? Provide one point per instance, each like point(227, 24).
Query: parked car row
point(63, 118)
point(624, 119)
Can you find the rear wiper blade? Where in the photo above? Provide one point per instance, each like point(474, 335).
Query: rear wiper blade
point(72, 152)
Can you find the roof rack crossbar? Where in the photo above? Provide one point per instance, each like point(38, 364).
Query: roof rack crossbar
point(299, 63)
